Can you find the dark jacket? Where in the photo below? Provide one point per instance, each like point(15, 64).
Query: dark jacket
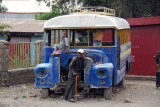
point(77, 65)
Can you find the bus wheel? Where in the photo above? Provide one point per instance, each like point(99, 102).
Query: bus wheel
point(108, 93)
point(44, 93)
point(127, 66)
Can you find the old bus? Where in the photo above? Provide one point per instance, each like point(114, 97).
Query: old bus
point(108, 60)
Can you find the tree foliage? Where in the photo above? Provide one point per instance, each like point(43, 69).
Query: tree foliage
point(123, 8)
point(2, 27)
point(2, 8)
point(129, 8)
point(46, 16)
point(58, 7)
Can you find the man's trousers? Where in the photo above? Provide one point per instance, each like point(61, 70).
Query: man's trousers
point(70, 89)
point(157, 79)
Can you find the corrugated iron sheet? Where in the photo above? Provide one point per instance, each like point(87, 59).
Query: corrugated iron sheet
point(145, 39)
point(145, 44)
point(20, 39)
point(144, 21)
point(19, 25)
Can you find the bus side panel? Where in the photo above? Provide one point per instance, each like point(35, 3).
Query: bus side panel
point(47, 54)
point(125, 56)
point(87, 70)
point(56, 69)
point(111, 52)
point(65, 61)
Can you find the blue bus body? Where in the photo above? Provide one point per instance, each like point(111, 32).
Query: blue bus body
point(52, 65)
point(106, 64)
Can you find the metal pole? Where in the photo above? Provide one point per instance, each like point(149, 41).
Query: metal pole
point(88, 37)
point(76, 88)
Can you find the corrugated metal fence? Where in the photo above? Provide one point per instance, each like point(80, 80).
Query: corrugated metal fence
point(24, 55)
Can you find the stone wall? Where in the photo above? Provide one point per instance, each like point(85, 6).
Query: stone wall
point(14, 76)
point(20, 76)
point(17, 76)
point(4, 49)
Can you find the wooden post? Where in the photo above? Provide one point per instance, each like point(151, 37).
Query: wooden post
point(45, 38)
point(69, 36)
point(58, 36)
point(54, 36)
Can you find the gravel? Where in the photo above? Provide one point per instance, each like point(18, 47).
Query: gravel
point(135, 93)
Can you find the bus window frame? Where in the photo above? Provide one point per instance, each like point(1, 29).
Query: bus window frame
point(114, 37)
point(115, 33)
point(124, 36)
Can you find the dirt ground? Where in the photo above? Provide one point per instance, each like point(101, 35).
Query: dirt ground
point(133, 94)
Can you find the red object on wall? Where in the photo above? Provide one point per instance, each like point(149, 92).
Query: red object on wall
point(145, 40)
point(107, 35)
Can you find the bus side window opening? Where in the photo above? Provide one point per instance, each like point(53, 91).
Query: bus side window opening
point(83, 37)
point(92, 37)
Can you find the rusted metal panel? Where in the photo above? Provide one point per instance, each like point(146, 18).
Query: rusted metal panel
point(19, 55)
point(22, 55)
point(21, 25)
point(145, 44)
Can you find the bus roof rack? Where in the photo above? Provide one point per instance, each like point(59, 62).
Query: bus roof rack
point(93, 10)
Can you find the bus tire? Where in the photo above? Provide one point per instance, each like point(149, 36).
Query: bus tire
point(108, 93)
point(44, 93)
point(127, 66)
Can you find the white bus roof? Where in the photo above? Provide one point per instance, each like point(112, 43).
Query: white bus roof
point(81, 21)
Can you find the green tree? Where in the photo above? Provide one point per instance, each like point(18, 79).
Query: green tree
point(46, 16)
point(104, 3)
point(129, 8)
point(2, 8)
point(58, 7)
point(2, 27)
point(155, 10)
point(123, 8)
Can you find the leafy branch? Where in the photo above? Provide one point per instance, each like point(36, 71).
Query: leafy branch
point(2, 27)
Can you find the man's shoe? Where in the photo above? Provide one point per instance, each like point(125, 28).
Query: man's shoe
point(54, 52)
point(65, 99)
point(62, 97)
point(71, 100)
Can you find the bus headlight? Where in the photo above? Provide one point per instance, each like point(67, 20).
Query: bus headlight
point(42, 73)
point(102, 72)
